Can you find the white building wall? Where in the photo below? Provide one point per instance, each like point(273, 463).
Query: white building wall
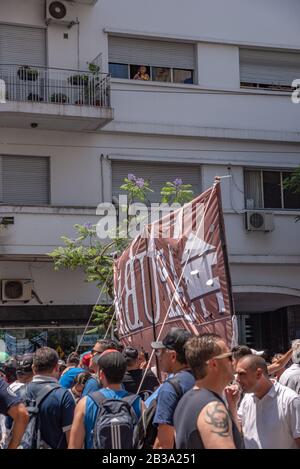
point(222, 132)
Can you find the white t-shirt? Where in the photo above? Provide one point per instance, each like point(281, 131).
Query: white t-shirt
point(273, 421)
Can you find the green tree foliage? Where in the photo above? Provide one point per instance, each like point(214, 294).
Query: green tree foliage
point(292, 183)
point(96, 259)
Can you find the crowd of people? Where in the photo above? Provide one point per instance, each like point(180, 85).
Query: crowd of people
point(111, 397)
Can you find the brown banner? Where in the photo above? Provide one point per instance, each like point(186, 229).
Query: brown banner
point(177, 273)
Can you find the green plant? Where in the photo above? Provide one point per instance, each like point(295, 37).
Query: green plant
point(27, 73)
point(78, 80)
point(292, 184)
point(59, 98)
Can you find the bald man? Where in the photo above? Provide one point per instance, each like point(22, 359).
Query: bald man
point(269, 412)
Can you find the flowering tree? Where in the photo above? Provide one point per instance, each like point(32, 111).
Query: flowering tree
point(86, 252)
point(292, 184)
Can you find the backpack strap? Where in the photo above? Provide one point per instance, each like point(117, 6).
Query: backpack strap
point(24, 392)
point(45, 391)
point(176, 385)
point(98, 398)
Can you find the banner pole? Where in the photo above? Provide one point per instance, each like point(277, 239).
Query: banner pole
point(224, 247)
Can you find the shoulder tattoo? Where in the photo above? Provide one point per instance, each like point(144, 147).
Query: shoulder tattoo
point(217, 417)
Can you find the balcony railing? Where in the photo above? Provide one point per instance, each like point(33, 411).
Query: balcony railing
point(53, 85)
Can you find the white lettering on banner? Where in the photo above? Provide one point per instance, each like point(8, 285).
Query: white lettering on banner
point(131, 293)
point(175, 309)
point(201, 257)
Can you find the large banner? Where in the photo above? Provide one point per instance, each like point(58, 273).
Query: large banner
point(176, 274)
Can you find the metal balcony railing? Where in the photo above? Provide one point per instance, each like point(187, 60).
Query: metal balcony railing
point(53, 85)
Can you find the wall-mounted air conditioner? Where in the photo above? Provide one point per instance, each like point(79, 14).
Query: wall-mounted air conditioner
point(259, 221)
point(60, 12)
point(16, 289)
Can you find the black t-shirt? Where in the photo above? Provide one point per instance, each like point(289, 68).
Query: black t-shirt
point(132, 379)
point(7, 398)
point(186, 416)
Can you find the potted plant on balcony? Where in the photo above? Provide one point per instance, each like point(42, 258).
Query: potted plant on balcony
point(34, 97)
point(78, 80)
point(27, 73)
point(59, 98)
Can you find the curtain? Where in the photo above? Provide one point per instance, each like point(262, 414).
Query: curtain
point(253, 190)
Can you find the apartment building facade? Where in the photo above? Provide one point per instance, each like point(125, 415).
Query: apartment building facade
point(216, 101)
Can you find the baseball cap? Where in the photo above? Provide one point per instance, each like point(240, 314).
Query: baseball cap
point(85, 359)
point(24, 363)
point(174, 340)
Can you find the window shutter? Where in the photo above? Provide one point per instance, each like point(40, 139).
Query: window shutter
point(269, 67)
point(157, 173)
point(25, 180)
point(22, 45)
point(148, 52)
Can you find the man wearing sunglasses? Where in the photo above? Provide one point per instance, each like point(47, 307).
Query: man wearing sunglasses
point(202, 419)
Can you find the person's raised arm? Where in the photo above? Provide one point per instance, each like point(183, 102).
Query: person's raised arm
point(280, 362)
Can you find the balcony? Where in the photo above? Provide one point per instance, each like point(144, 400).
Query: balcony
point(55, 99)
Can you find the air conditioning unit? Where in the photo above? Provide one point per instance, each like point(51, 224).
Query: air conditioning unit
point(16, 289)
point(60, 12)
point(259, 221)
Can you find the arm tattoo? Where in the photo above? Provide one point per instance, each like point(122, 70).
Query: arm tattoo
point(218, 418)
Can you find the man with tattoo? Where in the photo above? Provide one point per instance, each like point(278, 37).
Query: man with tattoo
point(202, 419)
point(269, 412)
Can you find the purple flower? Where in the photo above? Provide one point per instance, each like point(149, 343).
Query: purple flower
point(140, 182)
point(177, 182)
point(88, 225)
point(131, 177)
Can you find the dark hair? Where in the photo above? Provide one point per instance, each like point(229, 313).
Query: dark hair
point(73, 359)
point(254, 362)
point(131, 355)
point(200, 349)
point(110, 344)
point(113, 365)
point(10, 369)
point(240, 351)
point(82, 378)
point(45, 359)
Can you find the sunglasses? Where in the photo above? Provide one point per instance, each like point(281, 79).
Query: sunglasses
point(223, 355)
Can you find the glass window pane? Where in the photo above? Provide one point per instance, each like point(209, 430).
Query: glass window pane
point(253, 192)
point(272, 189)
point(182, 76)
point(291, 200)
point(139, 72)
point(118, 70)
point(161, 74)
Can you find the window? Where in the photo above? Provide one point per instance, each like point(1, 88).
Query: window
point(24, 180)
point(163, 61)
point(264, 189)
point(268, 69)
point(157, 174)
point(118, 70)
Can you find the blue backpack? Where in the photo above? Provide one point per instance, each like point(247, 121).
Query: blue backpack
point(115, 422)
